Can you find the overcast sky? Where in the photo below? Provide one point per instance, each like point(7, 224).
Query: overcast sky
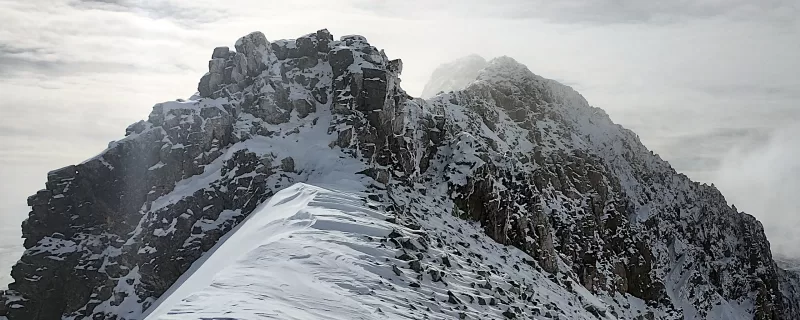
point(710, 85)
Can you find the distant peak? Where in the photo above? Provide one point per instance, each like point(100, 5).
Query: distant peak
point(458, 74)
point(455, 75)
point(506, 68)
point(507, 63)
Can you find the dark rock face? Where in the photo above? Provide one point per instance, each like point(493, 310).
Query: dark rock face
point(220, 52)
point(101, 202)
point(374, 90)
point(525, 157)
point(595, 232)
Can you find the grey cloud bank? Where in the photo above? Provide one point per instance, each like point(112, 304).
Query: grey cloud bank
point(709, 85)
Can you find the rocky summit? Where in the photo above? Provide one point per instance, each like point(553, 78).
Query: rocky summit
point(314, 187)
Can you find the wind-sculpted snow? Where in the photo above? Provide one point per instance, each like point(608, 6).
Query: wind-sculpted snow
point(302, 182)
point(316, 253)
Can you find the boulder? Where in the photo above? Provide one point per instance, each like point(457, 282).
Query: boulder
point(307, 45)
point(280, 49)
point(287, 164)
point(451, 298)
point(340, 59)
point(239, 71)
point(397, 270)
point(256, 49)
point(272, 113)
point(396, 66)
point(216, 65)
point(324, 39)
point(209, 84)
point(415, 265)
point(307, 62)
point(137, 128)
point(304, 107)
point(220, 52)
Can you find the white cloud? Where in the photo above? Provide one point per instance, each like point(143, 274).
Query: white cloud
point(764, 181)
point(594, 12)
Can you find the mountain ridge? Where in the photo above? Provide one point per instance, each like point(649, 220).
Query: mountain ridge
point(526, 158)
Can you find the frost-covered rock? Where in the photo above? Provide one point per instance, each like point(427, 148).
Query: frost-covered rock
point(510, 196)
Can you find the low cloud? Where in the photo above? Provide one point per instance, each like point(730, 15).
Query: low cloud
point(751, 90)
point(19, 61)
point(184, 12)
point(66, 38)
point(594, 11)
point(765, 181)
point(659, 12)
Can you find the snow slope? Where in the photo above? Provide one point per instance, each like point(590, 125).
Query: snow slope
point(281, 248)
point(317, 253)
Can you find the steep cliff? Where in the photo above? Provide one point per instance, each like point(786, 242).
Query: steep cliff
point(519, 163)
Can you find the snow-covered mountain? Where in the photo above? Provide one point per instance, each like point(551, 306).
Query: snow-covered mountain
point(302, 182)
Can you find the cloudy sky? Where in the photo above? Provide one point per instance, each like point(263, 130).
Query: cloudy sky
point(711, 85)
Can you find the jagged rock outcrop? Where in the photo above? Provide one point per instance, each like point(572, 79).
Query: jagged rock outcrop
point(525, 157)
